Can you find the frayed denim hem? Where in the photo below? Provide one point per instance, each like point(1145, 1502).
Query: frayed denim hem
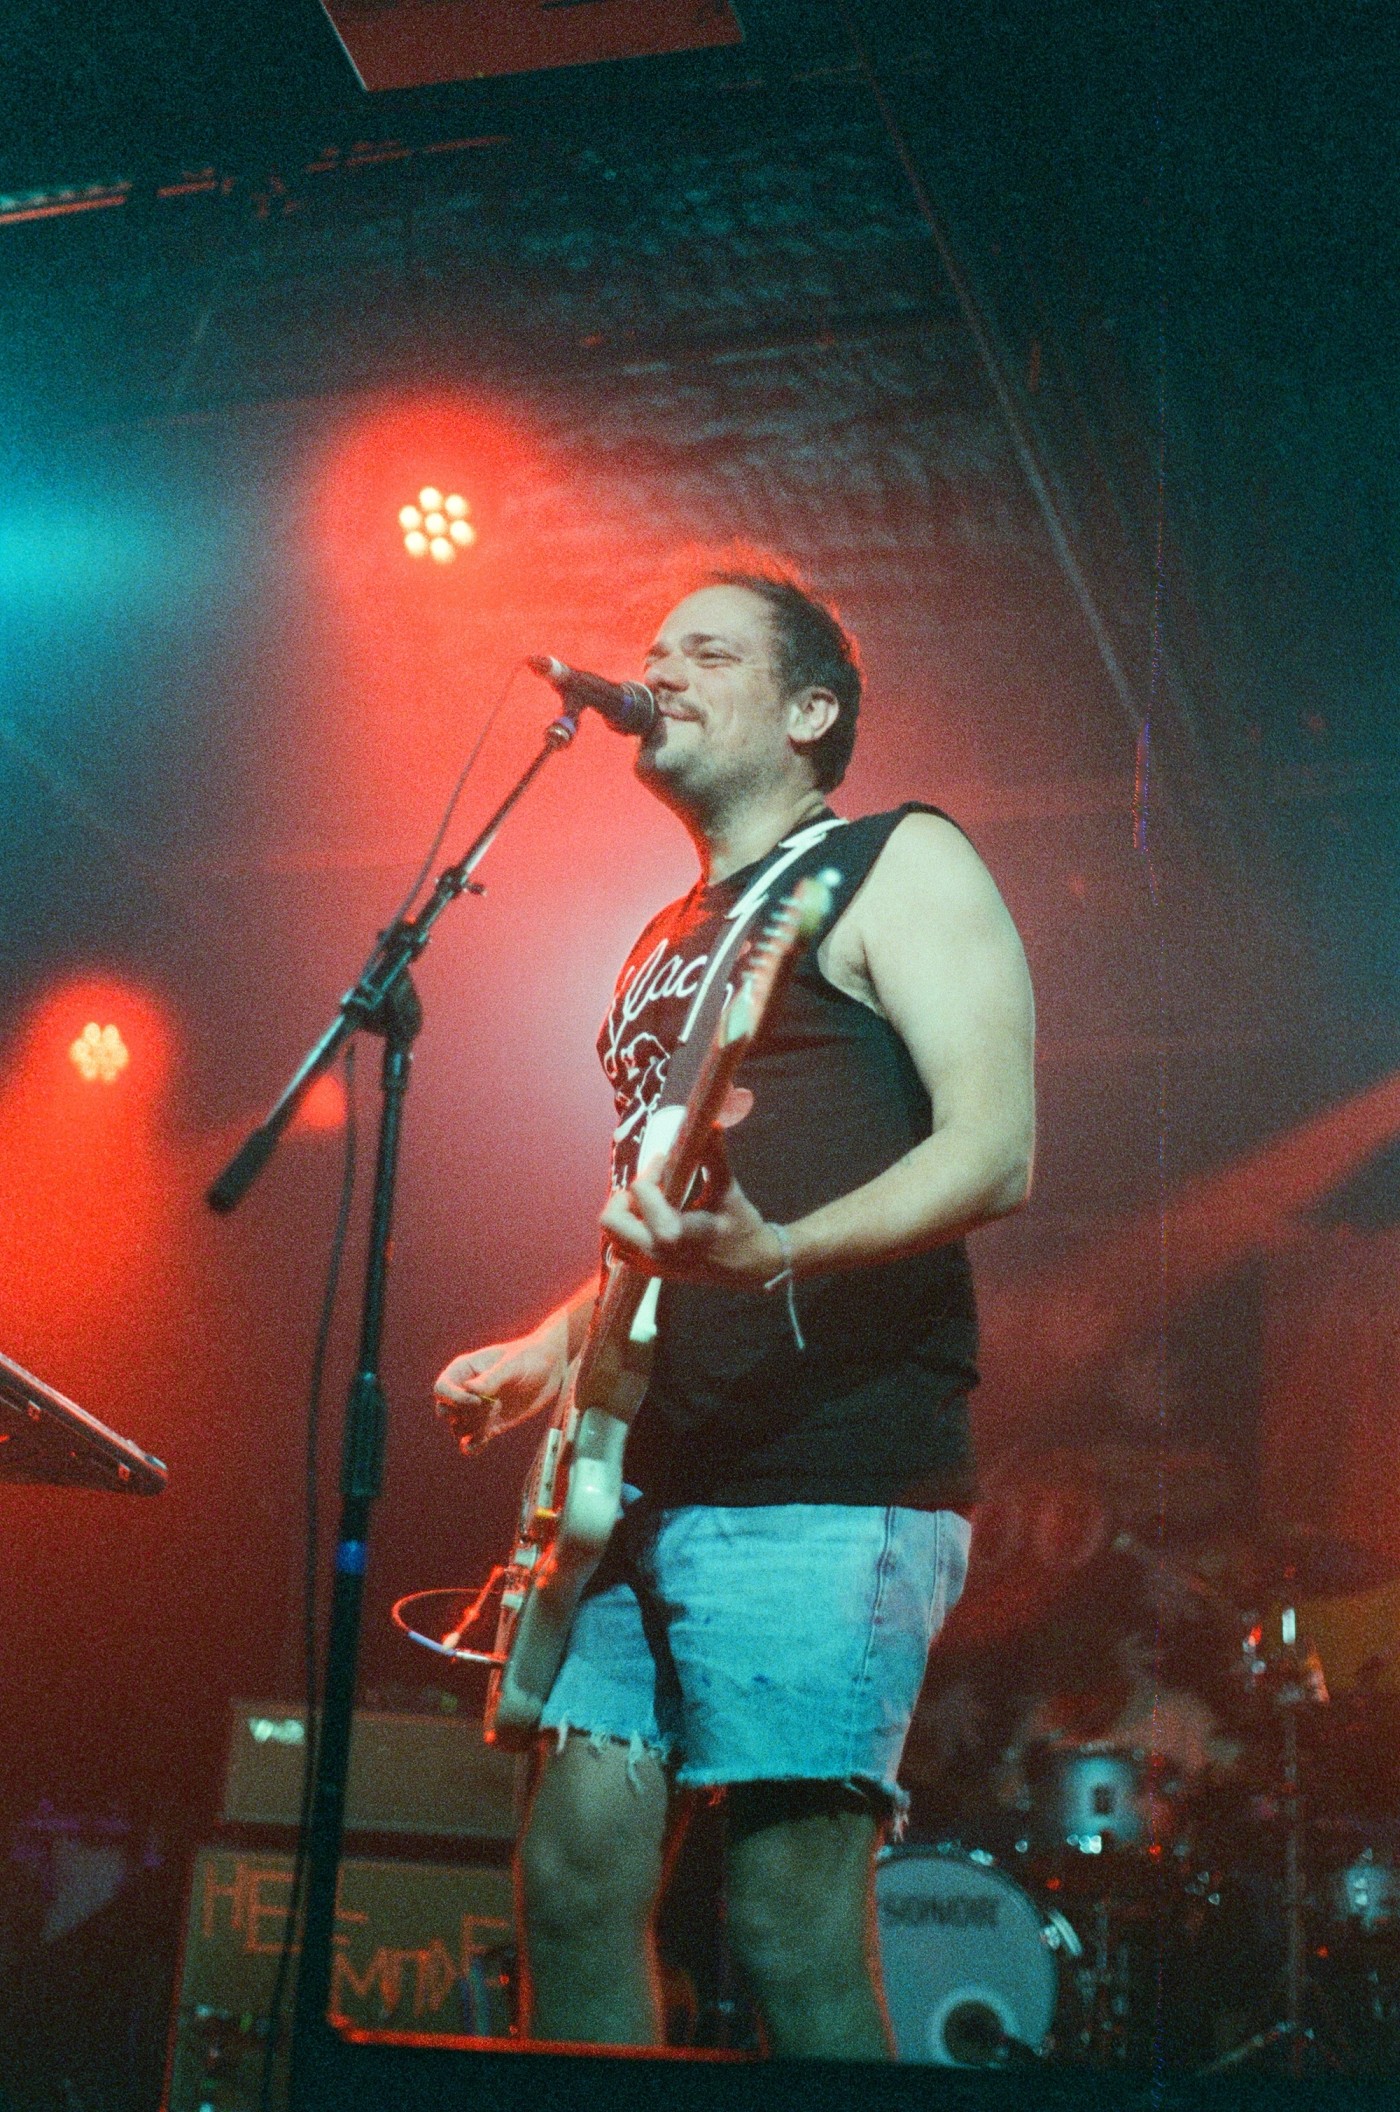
point(598, 1741)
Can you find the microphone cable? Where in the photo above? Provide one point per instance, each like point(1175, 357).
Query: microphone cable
point(430, 855)
point(311, 1640)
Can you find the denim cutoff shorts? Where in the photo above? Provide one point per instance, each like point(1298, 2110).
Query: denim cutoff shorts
point(778, 1642)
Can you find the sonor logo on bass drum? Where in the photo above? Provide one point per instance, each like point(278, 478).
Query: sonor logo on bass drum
point(949, 1910)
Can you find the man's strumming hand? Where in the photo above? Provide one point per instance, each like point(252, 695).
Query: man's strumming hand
point(483, 1392)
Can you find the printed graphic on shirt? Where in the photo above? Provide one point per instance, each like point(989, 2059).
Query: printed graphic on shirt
point(661, 981)
point(654, 993)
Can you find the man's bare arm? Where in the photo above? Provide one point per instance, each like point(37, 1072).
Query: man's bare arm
point(945, 965)
point(485, 1390)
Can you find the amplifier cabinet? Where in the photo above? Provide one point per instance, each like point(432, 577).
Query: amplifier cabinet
point(419, 1947)
point(410, 1774)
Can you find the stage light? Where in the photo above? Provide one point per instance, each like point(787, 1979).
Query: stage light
point(437, 526)
point(324, 1107)
point(99, 1053)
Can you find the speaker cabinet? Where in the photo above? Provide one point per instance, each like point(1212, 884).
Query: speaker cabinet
point(419, 1947)
point(409, 1774)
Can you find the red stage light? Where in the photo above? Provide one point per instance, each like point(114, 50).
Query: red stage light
point(324, 1106)
point(94, 1197)
point(437, 526)
point(99, 1054)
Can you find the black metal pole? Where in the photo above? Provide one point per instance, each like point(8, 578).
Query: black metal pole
point(361, 1477)
point(384, 1002)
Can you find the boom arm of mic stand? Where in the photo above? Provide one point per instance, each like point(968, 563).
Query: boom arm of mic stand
point(381, 984)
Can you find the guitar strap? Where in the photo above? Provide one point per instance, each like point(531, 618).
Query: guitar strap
point(698, 1029)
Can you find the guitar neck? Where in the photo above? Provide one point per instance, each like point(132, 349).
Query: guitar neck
point(627, 1283)
point(798, 918)
point(702, 1111)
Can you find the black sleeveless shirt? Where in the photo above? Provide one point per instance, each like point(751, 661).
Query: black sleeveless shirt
point(874, 1410)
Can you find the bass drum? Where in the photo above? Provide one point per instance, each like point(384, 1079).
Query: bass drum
point(972, 1967)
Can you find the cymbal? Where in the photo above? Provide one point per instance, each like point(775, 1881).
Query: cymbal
point(1182, 1489)
point(1140, 1484)
point(1290, 1562)
point(1316, 1565)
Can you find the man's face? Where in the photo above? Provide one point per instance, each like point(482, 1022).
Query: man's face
point(723, 724)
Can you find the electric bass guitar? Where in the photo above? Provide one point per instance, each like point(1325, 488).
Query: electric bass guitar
point(573, 1495)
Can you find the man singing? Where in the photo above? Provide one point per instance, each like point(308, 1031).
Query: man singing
point(801, 1463)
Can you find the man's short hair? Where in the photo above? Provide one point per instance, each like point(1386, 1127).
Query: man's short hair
point(814, 650)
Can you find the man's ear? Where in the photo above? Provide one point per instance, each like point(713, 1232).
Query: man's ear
point(810, 714)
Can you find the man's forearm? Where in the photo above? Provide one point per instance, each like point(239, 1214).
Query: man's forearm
point(573, 1316)
point(944, 1187)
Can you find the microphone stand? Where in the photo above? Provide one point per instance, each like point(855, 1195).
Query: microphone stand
point(382, 1002)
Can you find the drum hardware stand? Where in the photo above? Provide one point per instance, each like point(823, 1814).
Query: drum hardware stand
point(1290, 2032)
point(1102, 1993)
point(382, 1002)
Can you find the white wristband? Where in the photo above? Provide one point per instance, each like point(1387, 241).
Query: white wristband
point(785, 1276)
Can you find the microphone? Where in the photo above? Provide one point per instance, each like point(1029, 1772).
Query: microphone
point(628, 707)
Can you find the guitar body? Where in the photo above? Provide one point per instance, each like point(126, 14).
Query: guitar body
point(571, 1503)
point(534, 1632)
point(573, 1496)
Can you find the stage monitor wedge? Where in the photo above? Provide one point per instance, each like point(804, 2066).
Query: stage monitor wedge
point(421, 43)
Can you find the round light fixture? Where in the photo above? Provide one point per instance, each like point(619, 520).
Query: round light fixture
point(99, 1054)
point(438, 526)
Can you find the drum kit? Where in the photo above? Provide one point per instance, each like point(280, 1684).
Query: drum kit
point(1123, 1907)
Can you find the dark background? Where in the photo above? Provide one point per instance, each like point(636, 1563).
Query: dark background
point(626, 308)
